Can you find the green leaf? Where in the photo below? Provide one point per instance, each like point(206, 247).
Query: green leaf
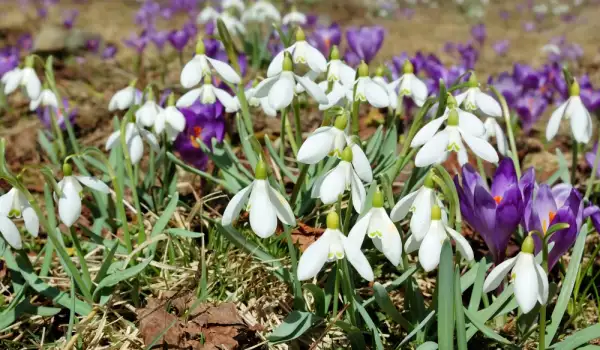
point(47, 146)
point(567, 286)
point(203, 174)
point(106, 263)
point(355, 336)
point(445, 297)
point(319, 296)
point(461, 333)
point(396, 283)
point(429, 345)
point(122, 275)
point(488, 332)
point(385, 303)
point(293, 326)
point(478, 286)
point(420, 326)
point(183, 233)
point(376, 334)
point(166, 216)
point(10, 316)
point(284, 169)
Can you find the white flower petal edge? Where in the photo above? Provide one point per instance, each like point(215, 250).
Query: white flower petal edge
point(263, 216)
point(10, 232)
point(235, 206)
point(314, 257)
point(496, 276)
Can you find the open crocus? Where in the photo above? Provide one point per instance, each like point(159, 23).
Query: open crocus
point(364, 43)
point(347, 174)
point(379, 227)
point(133, 139)
point(265, 205)
point(410, 85)
point(573, 110)
point(495, 214)
point(545, 207)
point(69, 198)
point(301, 53)
point(324, 38)
point(201, 66)
point(14, 204)
point(528, 277)
point(418, 203)
point(430, 248)
point(332, 246)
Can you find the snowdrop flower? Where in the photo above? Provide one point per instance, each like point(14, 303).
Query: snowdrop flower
point(573, 110)
point(528, 277)
point(208, 14)
point(69, 200)
point(25, 77)
point(410, 85)
point(47, 98)
point(460, 126)
point(234, 4)
point(430, 248)
point(367, 90)
point(133, 138)
point(332, 246)
point(170, 120)
point(265, 205)
point(337, 70)
point(125, 98)
point(146, 115)
point(261, 11)
point(347, 174)
point(377, 225)
point(475, 100)
point(14, 204)
point(207, 94)
point(280, 88)
point(301, 52)
point(294, 18)
point(389, 88)
point(200, 66)
point(254, 101)
point(232, 24)
point(327, 140)
point(493, 129)
point(419, 203)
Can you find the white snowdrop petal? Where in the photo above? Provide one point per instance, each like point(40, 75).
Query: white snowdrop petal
point(460, 98)
point(266, 107)
point(392, 242)
point(224, 97)
point(419, 91)
point(11, 80)
point(136, 149)
point(403, 206)
point(496, 276)
point(315, 59)
point(580, 120)
point(264, 87)
point(432, 150)
point(332, 185)
point(468, 122)
point(431, 246)
point(554, 122)
point(69, 204)
point(359, 194)
point(461, 244)
point(10, 232)
point(192, 72)
point(361, 164)
point(376, 94)
point(312, 89)
point(276, 65)
point(359, 230)
point(93, 183)
point(542, 278)
point(225, 71)
point(282, 207)
point(159, 123)
point(314, 257)
point(263, 217)
point(6, 202)
point(525, 282)
point(282, 93)
point(175, 118)
point(189, 97)
point(32, 222)
point(411, 244)
point(488, 105)
point(359, 261)
point(235, 206)
point(421, 218)
point(480, 147)
point(427, 131)
point(33, 86)
point(317, 146)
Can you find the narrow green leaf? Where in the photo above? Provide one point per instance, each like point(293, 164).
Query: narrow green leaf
point(376, 334)
point(183, 233)
point(293, 326)
point(428, 345)
point(445, 297)
point(355, 336)
point(122, 275)
point(108, 260)
point(477, 286)
point(203, 174)
point(47, 147)
point(166, 216)
point(461, 333)
point(420, 326)
point(488, 332)
point(284, 169)
point(319, 297)
point(385, 303)
point(396, 283)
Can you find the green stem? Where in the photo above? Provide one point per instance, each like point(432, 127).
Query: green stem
point(84, 268)
point(336, 289)
point(482, 171)
point(298, 300)
point(298, 125)
point(542, 325)
point(355, 122)
point(291, 137)
point(59, 134)
point(509, 130)
point(452, 187)
point(574, 162)
point(349, 291)
point(299, 183)
point(590, 182)
point(282, 134)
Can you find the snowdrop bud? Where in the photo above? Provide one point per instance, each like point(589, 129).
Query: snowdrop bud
point(333, 221)
point(207, 80)
point(67, 169)
point(260, 173)
point(408, 68)
point(451, 101)
point(528, 245)
point(378, 199)
point(347, 154)
point(428, 180)
point(300, 35)
point(436, 213)
point(363, 69)
point(473, 81)
point(574, 89)
point(171, 100)
point(288, 64)
point(453, 118)
point(29, 61)
point(335, 53)
point(200, 50)
point(341, 122)
point(380, 71)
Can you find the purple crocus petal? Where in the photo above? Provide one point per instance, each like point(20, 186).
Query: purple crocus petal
point(544, 209)
point(507, 86)
point(159, 38)
point(92, 45)
point(527, 183)
point(508, 216)
point(8, 62)
point(25, 42)
point(561, 192)
point(590, 158)
point(485, 212)
point(351, 58)
point(449, 47)
point(504, 15)
point(178, 39)
point(593, 212)
point(526, 76)
point(501, 47)
point(136, 42)
point(529, 26)
point(323, 38)
point(69, 17)
point(466, 201)
point(471, 178)
point(479, 33)
point(190, 28)
point(109, 52)
point(562, 239)
point(365, 42)
point(530, 108)
point(590, 98)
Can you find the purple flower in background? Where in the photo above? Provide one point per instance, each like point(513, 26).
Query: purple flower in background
point(69, 17)
point(507, 86)
point(190, 28)
point(166, 12)
point(479, 33)
point(323, 38)
point(504, 15)
point(178, 39)
point(526, 76)
point(92, 45)
point(408, 12)
point(137, 42)
point(9, 59)
point(590, 98)
point(528, 26)
point(364, 43)
point(501, 47)
point(593, 212)
point(494, 215)
point(109, 52)
point(468, 55)
point(204, 122)
point(25, 42)
point(46, 119)
point(530, 108)
point(590, 158)
point(449, 47)
point(546, 207)
point(159, 38)
point(146, 15)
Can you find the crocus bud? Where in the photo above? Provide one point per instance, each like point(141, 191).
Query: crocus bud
point(67, 169)
point(300, 35)
point(428, 180)
point(333, 221)
point(335, 53)
point(287, 64)
point(347, 154)
point(378, 199)
point(260, 172)
point(363, 69)
point(341, 122)
point(574, 89)
point(473, 80)
point(200, 49)
point(453, 118)
point(436, 213)
point(407, 67)
point(528, 245)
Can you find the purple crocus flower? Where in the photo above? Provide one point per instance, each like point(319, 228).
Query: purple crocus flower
point(92, 45)
point(529, 26)
point(507, 86)
point(190, 28)
point(46, 119)
point(323, 38)
point(549, 206)
point(137, 42)
point(25, 42)
point(590, 98)
point(201, 121)
point(8, 61)
point(479, 33)
point(159, 38)
point(501, 47)
point(494, 214)
point(69, 17)
point(109, 52)
point(530, 108)
point(593, 212)
point(178, 39)
point(526, 76)
point(468, 55)
point(590, 158)
point(364, 42)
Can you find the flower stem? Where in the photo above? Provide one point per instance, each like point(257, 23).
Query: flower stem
point(298, 300)
point(574, 161)
point(542, 326)
point(282, 134)
point(482, 172)
point(355, 124)
point(290, 135)
point(298, 125)
point(590, 182)
point(299, 183)
point(349, 291)
point(84, 268)
point(336, 288)
point(448, 180)
point(509, 130)
point(59, 133)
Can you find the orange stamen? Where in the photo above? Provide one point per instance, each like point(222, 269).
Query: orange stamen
point(197, 133)
point(498, 199)
point(551, 216)
point(327, 43)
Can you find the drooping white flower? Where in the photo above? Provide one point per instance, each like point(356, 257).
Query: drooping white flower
point(208, 14)
point(389, 88)
point(254, 101)
point(430, 247)
point(201, 66)
point(346, 175)
point(294, 18)
point(337, 70)
point(207, 94)
point(493, 129)
point(528, 277)
point(232, 24)
point(410, 85)
point(14, 204)
point(302, 53)
point(170, 120)
point(69, 199)
point(324, 141)
point(262, 11)
point(460, 126)
point(281, 87)
point(125, 98)
point(473, 99)
point(147, 113)
point(331, 246)
point(234, 4)
point(265, 205)
point(25, 77)
point(573, 110)
point(47, 98)
point(419, 203)
point(377, 225)
point(365, 89)
point(133, 138)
